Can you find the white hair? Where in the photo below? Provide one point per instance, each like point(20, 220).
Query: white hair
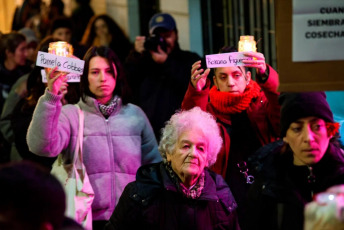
point(184, 120)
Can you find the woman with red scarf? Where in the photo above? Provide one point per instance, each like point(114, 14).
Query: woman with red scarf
point(246, 111)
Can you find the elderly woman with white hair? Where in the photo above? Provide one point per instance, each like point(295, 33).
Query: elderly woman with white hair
point(180, 192)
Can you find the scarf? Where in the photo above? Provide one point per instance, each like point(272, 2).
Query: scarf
point(230, 103)
point(106, 110)
point(194, 192)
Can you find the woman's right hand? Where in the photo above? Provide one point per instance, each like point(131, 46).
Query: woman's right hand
point(57, 82)
point(198, 76)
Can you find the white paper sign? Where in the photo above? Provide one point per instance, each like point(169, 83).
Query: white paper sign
point(66, 64)
point(226, 59)
point(71, 77)
point(318, 30)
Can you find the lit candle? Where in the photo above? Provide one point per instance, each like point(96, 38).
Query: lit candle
point(247, 43)
point(61, 49)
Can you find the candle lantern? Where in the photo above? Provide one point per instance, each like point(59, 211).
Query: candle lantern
point(247, 43)
point(60, 48)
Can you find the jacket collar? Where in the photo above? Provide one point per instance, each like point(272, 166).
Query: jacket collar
point(91, 105)
point(150, 179)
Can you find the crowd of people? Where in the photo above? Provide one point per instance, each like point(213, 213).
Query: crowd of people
point(167, 142)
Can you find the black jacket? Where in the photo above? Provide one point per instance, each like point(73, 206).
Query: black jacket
point(152, 202)
point(159, 89)
point(277, 197)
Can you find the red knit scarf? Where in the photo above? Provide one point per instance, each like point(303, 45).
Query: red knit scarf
point(230, 103)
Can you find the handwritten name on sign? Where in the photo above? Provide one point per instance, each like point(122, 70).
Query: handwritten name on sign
point(71, 77)
point(66, 64)
point(226, 59)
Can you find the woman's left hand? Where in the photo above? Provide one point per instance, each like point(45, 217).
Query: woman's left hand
point(258, 61)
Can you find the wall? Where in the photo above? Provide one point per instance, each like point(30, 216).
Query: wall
point(118, 10)
point(180, 11)
point(7, 8)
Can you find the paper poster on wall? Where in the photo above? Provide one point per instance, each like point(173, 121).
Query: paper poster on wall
point(318, 30)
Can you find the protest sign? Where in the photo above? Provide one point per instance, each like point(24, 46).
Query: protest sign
point(71, 77)
point(65, 64)
point(307, 75)
point(318, 30)
point(226, 59)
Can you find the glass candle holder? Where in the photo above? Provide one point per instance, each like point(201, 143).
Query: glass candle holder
point(247, 43)
point(60, 48)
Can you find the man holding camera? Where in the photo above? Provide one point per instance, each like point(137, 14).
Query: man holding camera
point(159, 71)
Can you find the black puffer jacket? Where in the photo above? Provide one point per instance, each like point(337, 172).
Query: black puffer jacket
point(152, 202)
point(277, 197)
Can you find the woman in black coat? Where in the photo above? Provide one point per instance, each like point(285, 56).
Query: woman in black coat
point(291, 171)
point(180, 192)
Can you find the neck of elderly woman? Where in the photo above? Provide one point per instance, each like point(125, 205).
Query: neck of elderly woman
point(188, 181)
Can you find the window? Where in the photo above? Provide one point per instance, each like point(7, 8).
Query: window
point(223, 22)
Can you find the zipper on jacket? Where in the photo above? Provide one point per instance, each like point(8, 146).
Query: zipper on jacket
point(311, 179)
point(112, 164)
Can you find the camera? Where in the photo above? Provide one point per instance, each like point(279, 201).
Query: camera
point(152, 42)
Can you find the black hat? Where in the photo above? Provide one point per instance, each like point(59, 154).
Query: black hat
point(161, 20)
point(299, 105)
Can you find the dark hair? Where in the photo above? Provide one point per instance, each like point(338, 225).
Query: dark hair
point(121, 88)
point(120, 44)
point(10, 42)
point(230, 49)
point(60, 22)
point(83, 2)
point(225, 49)
point(58, 5)
point(30, 196)
point(35, 86)
point(44, 44)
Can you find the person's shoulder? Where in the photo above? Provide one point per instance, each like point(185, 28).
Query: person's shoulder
point(265, 155)
point(223, 191)
point(70, 224)
point(21, 79)
point(3, 70)
point(24, 69)
point(132, 109)
point(132, 106)
point(149, 172)
point(147, 184)
point(70, 107)
point(188, 54)
point(335, 156)
point(220, 183)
